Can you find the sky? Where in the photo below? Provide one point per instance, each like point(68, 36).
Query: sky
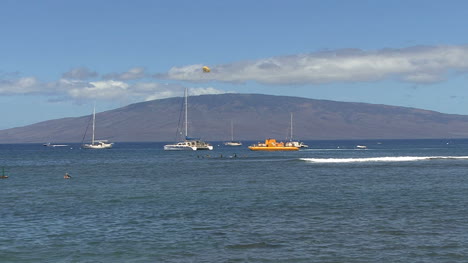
point(58, 58)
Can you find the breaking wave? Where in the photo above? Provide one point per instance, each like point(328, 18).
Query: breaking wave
point(381, 159)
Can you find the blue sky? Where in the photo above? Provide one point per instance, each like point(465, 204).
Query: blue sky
point(57, 58)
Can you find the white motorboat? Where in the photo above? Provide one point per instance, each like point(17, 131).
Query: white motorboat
point(54, 145)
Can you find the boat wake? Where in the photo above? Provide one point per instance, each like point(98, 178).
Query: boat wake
point(382, 159)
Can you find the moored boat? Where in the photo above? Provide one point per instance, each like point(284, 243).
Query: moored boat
point(232, 142)
point(54, 145)
point(96, 144)
point(292, 142)
point(296, 144)
point(189, 144)
point(272, 145)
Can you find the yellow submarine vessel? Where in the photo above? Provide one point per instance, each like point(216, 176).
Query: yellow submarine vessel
point(272, 145)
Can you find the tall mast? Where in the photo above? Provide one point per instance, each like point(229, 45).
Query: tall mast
point(186, 113)
point(94, 122)
point(291, 126)
point(232, 131)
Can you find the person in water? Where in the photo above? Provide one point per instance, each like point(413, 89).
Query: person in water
point(67, 176)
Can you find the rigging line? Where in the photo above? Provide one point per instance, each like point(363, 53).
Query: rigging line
point(87, 126)
point(181, 112)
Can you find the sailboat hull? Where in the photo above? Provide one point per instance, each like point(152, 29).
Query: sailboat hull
point(233, 143)
point(99, 145)
point(96, 144)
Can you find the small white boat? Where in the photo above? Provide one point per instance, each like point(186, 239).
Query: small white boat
point(54, 145)
point(101, 144)
point(232, 142)
point(296, 144)
point(361, 146)
point(293, 143)
point(96, 144)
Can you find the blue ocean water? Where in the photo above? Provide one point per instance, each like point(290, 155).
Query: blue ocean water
point(397, 201)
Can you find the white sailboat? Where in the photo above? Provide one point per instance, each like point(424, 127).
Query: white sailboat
point(96, 144)
point(189, 144)
point(232, 142)
point(291, 141)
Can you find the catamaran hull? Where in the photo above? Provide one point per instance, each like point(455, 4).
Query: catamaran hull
point(186, 148)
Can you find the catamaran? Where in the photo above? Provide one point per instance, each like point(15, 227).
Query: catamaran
point(96, 144)
point(189, 144)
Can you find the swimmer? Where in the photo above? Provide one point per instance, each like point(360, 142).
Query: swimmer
point(67, 176)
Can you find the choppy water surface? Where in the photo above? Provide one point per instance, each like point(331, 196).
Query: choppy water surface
point(397, 201)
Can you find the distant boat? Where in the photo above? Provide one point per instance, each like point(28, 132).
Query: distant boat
point(361, 146)
point(3, 176)
point(232, 142)
point(96, 144)
point(189, 144)
point(291, 141)
point(272, 145)
point(54, 145)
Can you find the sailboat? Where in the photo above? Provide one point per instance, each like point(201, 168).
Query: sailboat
point(189, 144)
point(232, 142)
point(96, 144)
point(291, 141)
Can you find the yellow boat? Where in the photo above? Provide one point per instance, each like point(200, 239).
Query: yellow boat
point(272, 145)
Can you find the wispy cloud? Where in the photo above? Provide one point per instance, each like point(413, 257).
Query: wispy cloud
point(81, 90)
point(24, 85)
point(422, 64)
point(133, 73)
point(80, 73)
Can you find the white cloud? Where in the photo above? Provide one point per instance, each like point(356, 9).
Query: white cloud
point(133, 73)
point(24, 85)
point(414, 64)
point(154, 91)
point(99, 90)
point(80, 90)
point(205, 91)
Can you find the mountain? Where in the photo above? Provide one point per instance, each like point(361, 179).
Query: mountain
point(255, 117)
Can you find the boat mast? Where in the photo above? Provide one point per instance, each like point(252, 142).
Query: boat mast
point(291, 126)
point(94, 123)
point(232, 132)
point(186, 113)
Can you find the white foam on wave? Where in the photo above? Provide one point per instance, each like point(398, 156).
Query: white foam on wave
point(381, 159)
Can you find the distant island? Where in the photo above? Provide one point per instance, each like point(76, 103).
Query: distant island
point(254, 117)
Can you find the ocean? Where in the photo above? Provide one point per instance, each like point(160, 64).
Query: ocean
point(396, 201)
